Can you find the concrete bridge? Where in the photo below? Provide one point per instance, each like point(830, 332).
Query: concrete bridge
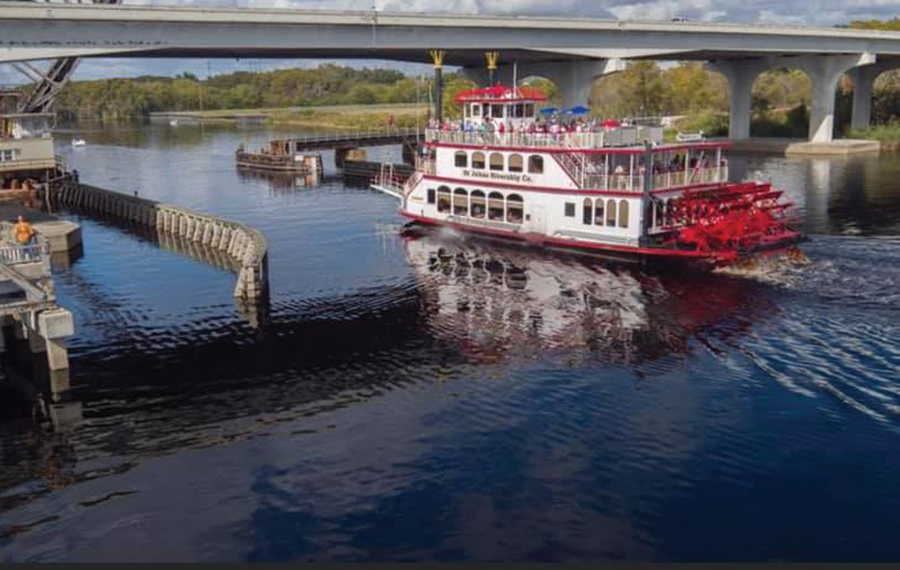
point(572, 53)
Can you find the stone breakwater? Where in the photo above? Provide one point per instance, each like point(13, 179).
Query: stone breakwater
point(243, 245)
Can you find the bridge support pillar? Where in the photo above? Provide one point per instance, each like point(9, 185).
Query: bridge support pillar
point(863, 84)
point(824, 73)
point(54, 327)
point(740, 75)
point(573, 79)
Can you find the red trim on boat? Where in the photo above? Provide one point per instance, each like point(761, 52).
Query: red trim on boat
point(578, 191)
point(561, 242)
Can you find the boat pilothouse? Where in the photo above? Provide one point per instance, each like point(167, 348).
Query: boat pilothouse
point(513, 168)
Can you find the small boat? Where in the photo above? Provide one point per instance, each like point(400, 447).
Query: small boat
point(78, 142)
point(282, 156)
point(689, 137)
point(173, 123)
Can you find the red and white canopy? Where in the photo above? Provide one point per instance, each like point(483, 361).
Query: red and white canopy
point(501, 94)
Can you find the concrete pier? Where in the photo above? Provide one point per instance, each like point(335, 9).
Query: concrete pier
point(28, 301)
point(800, 147)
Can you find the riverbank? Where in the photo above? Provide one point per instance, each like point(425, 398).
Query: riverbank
point(344, 117)
point(888, 135)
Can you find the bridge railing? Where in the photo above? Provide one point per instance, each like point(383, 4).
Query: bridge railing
point(349, 136)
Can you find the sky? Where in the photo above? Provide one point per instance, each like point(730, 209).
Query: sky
point(792, 12)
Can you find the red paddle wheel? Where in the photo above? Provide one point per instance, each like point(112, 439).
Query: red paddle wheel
point(731, 222)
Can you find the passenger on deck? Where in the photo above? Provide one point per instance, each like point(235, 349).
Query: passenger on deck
point(24, 231)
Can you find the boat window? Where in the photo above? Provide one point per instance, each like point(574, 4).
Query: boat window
point(611, 213)
point(670, 212)
point(476, 110)
point(586, 213)
point(460, 202)
point(570, 209)
point(431, 195)
point(514, 209)
point(466, 111)
point(485, 109)
point(529, 109)
point(520, 111)
point(535, 164)
point(478, 204)
point(623, 213)
point(443, 204)
point(461, 159)
point(478, 160)
point(496, 161)
point(515, 163)
point(598, 212)
point(495, 206)
point(497, 111)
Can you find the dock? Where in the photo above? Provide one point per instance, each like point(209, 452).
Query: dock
point(800, 147)
point(28, 307)
point(63, 236)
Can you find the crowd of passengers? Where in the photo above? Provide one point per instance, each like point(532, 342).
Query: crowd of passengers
point(553, 125)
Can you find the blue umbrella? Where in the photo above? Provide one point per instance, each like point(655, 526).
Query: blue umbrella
point(549, 110)
point(579, 110)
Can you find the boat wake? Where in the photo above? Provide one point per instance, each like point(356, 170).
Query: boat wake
point(769, 267)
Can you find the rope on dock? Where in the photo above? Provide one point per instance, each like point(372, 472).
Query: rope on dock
point(219, 242)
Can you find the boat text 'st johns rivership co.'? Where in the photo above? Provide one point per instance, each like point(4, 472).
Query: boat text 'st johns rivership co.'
point(510, 169)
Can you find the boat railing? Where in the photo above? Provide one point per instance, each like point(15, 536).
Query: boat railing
point(14, 253)
point(675, 179)
point(425, 166)
point(27, 163)
point(621, 136)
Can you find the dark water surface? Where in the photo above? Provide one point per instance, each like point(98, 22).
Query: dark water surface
point(442, 399)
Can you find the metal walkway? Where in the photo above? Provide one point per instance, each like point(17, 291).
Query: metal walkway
point(332, 141)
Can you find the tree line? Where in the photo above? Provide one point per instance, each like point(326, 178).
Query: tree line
point(324, 85)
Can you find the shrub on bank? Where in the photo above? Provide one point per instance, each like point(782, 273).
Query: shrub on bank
point(712, 124)
point(888, 134)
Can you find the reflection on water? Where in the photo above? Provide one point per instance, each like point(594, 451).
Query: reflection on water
point(856, 195)
point(278, 181)
point(496, 301)
point(439, 398)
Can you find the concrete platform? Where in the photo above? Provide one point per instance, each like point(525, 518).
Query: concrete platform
point(801, 147)
point(62, 235)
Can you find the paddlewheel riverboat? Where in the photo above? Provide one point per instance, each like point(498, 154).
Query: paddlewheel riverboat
point(511, 169)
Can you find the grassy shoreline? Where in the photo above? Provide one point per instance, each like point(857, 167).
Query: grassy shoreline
point(888, 135)
point(353, 117)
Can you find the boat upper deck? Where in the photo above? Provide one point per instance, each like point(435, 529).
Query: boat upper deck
point(628, 139)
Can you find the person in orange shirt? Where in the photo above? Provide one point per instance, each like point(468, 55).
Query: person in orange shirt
point(24, 231)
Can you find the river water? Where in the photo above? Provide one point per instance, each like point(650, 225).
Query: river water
point(443, 399)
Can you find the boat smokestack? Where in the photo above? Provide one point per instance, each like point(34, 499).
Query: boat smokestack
point(437, 56)
point(493, 58)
